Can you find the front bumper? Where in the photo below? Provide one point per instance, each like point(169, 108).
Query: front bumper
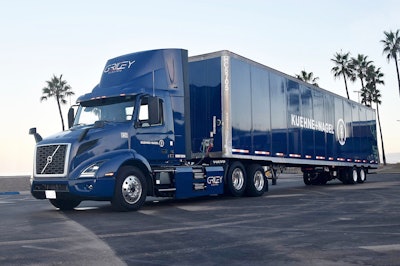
point(82, 189)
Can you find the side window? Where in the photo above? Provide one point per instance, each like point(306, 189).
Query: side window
point(129, 113)
point(151, 112)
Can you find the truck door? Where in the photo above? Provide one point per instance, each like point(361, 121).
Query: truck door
point(153, 135)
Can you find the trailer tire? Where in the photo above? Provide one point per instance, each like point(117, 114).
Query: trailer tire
point(64, 204)
point(362, 175)
point(257, 182)
point(130, 189)
point(236, 179)
point(352, 176)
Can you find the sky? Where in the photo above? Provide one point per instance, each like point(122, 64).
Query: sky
point(76, 38)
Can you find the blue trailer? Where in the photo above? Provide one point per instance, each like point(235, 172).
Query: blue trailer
point(162, 124)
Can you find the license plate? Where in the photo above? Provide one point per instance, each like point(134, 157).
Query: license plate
point(50, 194)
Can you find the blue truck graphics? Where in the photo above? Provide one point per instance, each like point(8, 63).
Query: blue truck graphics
point(161, 123)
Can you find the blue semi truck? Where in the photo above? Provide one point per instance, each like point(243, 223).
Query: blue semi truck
point(163, 124)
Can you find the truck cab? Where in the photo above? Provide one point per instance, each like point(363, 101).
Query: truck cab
point(126, 137)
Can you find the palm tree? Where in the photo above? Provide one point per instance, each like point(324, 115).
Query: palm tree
point(59, 89)
point(360, 65)
point(308, 77)
point(375, 77)
point(343, 68)
point(391, 47)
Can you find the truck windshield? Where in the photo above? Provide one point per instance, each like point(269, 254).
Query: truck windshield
point(119, 109)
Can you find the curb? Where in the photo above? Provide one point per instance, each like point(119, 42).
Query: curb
point(9, 193)
point(12, 193)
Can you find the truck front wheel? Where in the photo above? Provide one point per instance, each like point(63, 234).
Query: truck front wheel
point(65, 205)
point(236, 179)
point(130, 189)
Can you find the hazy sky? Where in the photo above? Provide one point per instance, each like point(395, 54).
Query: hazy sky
point(75, 38)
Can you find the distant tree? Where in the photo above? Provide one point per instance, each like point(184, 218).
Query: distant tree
point(391, 47)
point(307, 77)
point(375, 77)
point(58, 89)
point(360, 65)
point(343, 68)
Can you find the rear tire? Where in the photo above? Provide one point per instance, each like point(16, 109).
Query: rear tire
point(362, 175)
point(236, 179)
point(256, 181)
point(65, 205)
point(130, 189)
point(352, 176)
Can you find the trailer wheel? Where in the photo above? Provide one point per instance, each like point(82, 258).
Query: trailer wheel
point(257, 182)
point(236, 179)
point(65, 205)
point(362, 175)
point(352, 176)
point(130, 189)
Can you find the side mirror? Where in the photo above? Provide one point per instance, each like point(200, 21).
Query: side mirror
point(71, 116)
point(155, 112)
point(32, 131)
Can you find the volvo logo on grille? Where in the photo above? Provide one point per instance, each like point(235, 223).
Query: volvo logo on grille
point(49, 159)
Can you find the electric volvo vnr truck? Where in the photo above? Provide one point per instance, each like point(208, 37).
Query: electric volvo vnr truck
point(165, 125)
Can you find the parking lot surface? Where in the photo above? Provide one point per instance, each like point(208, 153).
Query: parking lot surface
point(292, 224)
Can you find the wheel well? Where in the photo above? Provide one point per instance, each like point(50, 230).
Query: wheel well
point(142, 167)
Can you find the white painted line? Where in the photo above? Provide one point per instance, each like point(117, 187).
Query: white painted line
point(383, 248)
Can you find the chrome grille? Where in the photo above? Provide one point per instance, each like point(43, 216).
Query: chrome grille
point(51, 160)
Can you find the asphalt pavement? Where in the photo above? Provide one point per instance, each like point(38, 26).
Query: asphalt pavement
point(292, 224)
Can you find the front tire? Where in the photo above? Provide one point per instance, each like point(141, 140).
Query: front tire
point(236, 179)
point(130, 189)
point(65, 205)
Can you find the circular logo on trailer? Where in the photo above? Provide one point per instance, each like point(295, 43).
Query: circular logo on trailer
point(161, 143)
point(341, 132)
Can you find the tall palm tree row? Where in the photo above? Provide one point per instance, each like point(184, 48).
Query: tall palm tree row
point(59, 89)
point(373, 95)
point(360, 65)
point(361, 68)
point(391, 47)
point(307, 77)
point(343, 68)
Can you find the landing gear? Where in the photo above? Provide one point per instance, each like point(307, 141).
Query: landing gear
point(314, 178)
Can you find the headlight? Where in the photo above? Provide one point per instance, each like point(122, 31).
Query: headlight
point(91, 170)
